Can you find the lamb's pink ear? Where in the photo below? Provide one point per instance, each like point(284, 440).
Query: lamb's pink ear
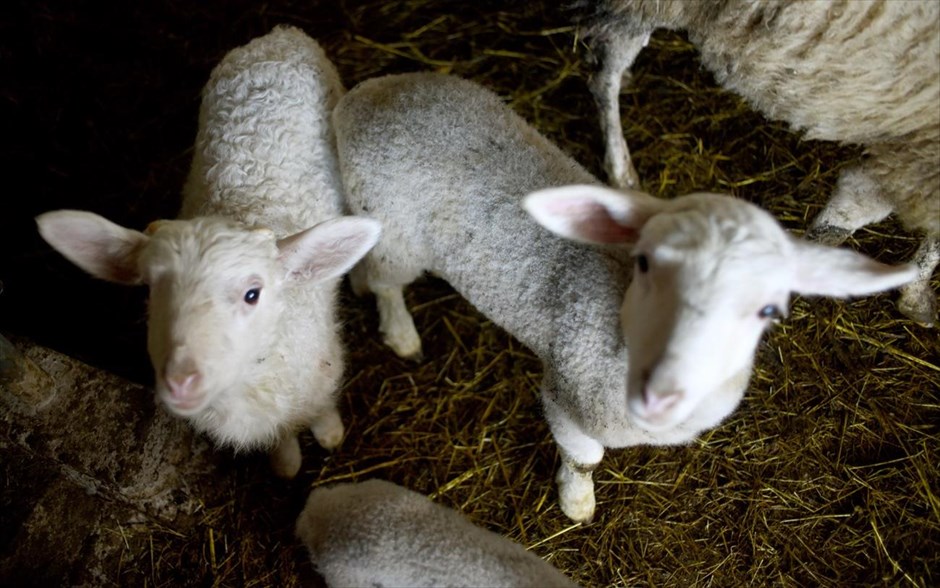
point(838, 272)
point(329, 249)
point(95, 244)
point(592, 214)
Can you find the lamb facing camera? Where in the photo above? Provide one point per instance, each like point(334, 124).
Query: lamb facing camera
point(242, 327)
point(646, 315)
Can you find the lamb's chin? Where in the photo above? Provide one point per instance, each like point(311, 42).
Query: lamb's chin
point(184, 408)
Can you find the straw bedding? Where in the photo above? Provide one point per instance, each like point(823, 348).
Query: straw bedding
point(826, 476)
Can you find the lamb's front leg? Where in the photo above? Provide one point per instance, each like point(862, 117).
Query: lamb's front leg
point(580, 456)
point(327, 428)
point(617, 52)
point(285, 458)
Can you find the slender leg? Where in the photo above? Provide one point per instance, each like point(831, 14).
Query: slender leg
point(358, 280)
point(327, 428)
point(617, 54)
point(918, 300)
point(395, 323)
point(576, 486)
point(285, 457)
point(580, 456)
point(857, 201)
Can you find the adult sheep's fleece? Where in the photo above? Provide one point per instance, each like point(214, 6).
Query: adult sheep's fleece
point(865, 72)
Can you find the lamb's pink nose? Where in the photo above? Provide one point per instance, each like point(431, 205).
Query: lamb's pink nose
point(183, 386)
point(657, 404)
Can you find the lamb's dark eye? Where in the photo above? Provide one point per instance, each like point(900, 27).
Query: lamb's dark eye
point(771, 311)
point(642, 263)
point(252, 296)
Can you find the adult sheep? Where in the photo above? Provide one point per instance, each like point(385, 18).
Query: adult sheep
point(242, 331)
point(852, 71)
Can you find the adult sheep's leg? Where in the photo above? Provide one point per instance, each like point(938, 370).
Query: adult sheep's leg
point(580, 456)
point(327, 428)
point(285, 457)
point(617, 53)
point(856, 202)
point(918, 300)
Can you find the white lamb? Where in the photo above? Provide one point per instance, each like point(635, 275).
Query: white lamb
point(445, 165)
point(242, 331)
point(862, 72)
point(378, 534)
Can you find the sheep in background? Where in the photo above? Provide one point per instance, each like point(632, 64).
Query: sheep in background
point(444, 165)
point(375, 533)
point(242, 331)
point(855, 72)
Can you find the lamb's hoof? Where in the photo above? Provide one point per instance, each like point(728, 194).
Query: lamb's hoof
point(578, 508)
point(328, 432)
point(576, 494)
point(626, 178)
point(826, 234)
point(919, 303)
point(408, 347)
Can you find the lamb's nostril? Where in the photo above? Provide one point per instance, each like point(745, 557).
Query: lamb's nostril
point(183, 385)
point(658, 403)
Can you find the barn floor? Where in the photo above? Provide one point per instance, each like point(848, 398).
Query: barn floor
point(827, 475)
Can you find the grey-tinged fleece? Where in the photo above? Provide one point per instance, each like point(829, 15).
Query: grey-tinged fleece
point(242, 327)
point(865, 72)
point(446, 167)
point(376, 533)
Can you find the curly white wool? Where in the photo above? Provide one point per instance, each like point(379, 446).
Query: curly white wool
point(242, 328)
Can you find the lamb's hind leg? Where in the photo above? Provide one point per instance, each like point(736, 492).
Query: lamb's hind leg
point(580, 456)
point(395, 322)
point(617, 52)
point(918, 300)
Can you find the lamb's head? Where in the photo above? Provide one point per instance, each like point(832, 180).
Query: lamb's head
point(711, 273)
point(218, 289)
point(216, 301)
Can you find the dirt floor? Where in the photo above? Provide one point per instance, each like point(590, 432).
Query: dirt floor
point(827, 475)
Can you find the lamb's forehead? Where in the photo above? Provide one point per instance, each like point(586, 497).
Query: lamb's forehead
point(209, 243)
point(716, 225)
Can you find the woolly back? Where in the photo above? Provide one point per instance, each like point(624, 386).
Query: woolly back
point(265, 150)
